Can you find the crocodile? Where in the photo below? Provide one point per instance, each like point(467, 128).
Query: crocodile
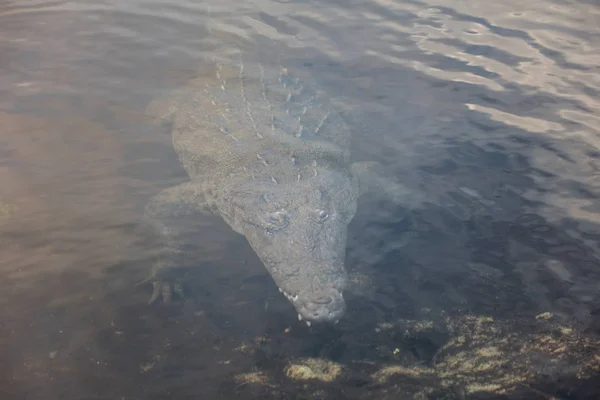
point(270, 155)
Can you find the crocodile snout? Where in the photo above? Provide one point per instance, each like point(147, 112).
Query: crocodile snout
point(325, 305)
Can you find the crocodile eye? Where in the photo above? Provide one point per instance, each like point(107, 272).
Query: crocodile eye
point(322, 215)
point(279, 219)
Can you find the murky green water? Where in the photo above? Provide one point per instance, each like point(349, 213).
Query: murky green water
point(488, 288)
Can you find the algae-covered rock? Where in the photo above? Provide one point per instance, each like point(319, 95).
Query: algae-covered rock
point(314, 368)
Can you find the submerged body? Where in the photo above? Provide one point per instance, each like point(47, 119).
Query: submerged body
point(271, 157)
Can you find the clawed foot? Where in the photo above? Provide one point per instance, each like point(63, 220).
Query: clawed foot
point(163, 288)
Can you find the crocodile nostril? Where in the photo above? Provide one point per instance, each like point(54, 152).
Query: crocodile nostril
point(322, 299)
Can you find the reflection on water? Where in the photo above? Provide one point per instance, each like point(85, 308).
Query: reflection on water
point(489, 287)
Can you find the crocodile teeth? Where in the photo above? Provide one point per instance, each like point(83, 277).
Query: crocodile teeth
point(299, 317)
point(308, 323)
point(289, 296)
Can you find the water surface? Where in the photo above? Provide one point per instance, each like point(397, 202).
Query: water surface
point(487, 287)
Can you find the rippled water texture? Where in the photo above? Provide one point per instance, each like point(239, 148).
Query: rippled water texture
point(486, 287)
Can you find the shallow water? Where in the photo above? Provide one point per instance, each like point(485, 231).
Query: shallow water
point(487, 286)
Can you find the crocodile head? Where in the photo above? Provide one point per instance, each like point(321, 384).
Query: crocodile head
point(298, 230)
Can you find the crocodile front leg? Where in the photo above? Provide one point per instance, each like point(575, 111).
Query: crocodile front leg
point(175, 202)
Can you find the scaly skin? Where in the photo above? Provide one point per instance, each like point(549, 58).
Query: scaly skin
point(270, 156)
